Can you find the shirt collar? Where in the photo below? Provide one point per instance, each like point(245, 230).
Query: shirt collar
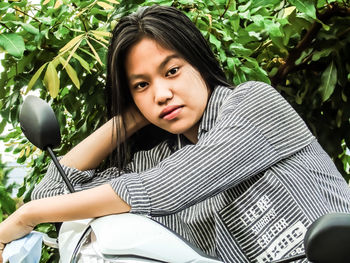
point(213, 107)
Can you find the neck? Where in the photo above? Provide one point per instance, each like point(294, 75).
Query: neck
point(192, 134)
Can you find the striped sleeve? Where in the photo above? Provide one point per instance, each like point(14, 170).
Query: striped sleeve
point(249, 135)
point(52, 184)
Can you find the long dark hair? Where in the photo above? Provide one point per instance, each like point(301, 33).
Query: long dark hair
point(173, 30)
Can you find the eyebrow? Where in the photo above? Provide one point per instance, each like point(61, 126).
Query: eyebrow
point(161, 66)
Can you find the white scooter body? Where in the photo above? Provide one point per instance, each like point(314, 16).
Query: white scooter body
point(128, 238)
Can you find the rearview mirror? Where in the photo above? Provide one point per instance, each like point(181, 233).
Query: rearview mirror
point(328, 239)
point(39, 123)
point(40, 126)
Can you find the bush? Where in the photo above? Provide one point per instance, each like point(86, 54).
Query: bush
point(57, 50)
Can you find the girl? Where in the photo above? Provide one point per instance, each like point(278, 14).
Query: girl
point(234, 171)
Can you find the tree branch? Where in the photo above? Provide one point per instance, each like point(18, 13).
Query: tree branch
point(4, 25)
point(32, 17)
point(226, 8)
point(332, 9)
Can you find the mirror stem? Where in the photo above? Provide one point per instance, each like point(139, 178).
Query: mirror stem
point(60, 169)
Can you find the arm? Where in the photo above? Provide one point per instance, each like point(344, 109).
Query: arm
point(255, 128)
point(102, 141)
point(79, 163)
point(95, 202)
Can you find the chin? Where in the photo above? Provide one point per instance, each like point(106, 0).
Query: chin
point(178, 130)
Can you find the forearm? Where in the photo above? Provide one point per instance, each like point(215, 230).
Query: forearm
point(95, 202)
point(89, 153)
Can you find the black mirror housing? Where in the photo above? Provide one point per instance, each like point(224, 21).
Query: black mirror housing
point(39, 123)
point(328, 239)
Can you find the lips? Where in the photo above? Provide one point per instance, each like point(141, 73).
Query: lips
point(170, 112)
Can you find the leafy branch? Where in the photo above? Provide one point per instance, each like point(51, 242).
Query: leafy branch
point(226, 8)
point(333, 9)
point(4, 25)
point(24, 13)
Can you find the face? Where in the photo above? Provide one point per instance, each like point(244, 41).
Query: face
point(168, 91)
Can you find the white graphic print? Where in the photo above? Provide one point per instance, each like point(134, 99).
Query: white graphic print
point(256, 211)
point(264, 221)
point(267, 221)
point(285, 242)
point(274, 231)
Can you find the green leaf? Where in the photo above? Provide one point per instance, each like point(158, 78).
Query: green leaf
point(234, 65)
point(239, 50)
point(35, 78)
point(8, 205)
point(44, 227)
point(13, 44)
point(72, 43)
point(96, 56)
point(222, 55)
point(28, 27)
point(234, 21)
point(243, 8)
point(104, 5)
point(215, 41)
point(71, 72)
point(288, 11)
point(2, 125)
point(231, 63)
point(21, 190)
point(328, 81)
point(303, 55)
point(305, 6)
point(259, 3)
point(257, 72)
point(320, 54)
point(239, 77)
point(31, 29)
point(273, 28)
point(51, 80)
point(82, 62)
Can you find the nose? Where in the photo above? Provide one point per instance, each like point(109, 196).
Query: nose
point(162, 92)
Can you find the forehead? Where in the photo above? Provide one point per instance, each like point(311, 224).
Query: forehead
point(146, 53)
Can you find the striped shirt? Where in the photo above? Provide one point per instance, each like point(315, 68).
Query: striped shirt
point(245, 192)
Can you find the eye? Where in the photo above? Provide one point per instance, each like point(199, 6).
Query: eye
point(172, 72)
point(141, 85)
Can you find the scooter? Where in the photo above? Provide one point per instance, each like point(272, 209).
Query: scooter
point(135, 238)
point(132, 238)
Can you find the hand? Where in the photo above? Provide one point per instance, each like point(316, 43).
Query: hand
point(14, 227)
point(134, 116)
point(103, 141)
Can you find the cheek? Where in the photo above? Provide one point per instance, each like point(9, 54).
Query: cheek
point(143, 106)
point(139, 104)
point(199, 92)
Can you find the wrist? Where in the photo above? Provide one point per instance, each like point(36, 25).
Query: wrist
point(25, 216)
point(17, 225)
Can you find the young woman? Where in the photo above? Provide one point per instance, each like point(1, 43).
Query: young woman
point(235, 171)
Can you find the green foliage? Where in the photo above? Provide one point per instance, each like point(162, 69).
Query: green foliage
point(13, 44)
point(7, 204)
point(58, 50)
